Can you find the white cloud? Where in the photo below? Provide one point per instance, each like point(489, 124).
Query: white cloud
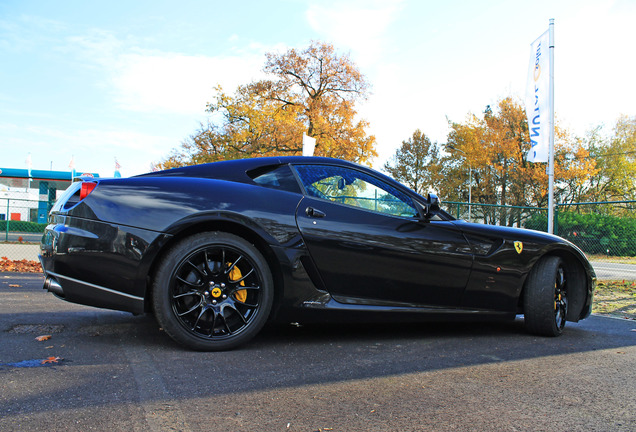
point(27, 32)
point(164, 82)
point(450, 76)
point(594, 67)
point(96, 48)
point(360, 25)
point(178, 83)
point(93, 149)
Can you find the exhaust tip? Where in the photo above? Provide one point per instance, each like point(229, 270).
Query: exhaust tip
point(52, 286)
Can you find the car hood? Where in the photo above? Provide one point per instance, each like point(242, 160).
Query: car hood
point(509, 233)
point(542, 242)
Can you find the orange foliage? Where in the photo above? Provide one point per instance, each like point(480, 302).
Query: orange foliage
point(313, 91)
point(494, 148)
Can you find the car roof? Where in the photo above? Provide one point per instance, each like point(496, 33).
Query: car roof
point(239, 170)
point(244, 170)
point(236, 169)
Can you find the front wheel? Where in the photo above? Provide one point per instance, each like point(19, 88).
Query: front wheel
point(546, 297)
point(213, 291)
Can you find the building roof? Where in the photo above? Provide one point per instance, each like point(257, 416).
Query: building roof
point(19, 178)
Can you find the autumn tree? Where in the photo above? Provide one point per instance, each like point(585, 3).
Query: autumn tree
point(484, 158)
point(616, 159)
point(413, 164)
point(313, 91)
point(492, 150)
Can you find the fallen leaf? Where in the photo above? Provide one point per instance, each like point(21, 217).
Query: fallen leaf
point(20, 266)
point(43, 338)
point(52, 360)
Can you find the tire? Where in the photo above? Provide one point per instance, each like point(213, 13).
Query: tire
point(545, 297)
point(213, 291)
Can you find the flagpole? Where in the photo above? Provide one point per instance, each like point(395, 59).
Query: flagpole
point(551, 129)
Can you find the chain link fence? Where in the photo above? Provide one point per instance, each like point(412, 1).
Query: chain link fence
point(605, 231)
point(494, 214)
point(598, 228)
point(602, 228)
point(20, 233)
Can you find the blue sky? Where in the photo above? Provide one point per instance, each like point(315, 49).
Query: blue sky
point(95, 81)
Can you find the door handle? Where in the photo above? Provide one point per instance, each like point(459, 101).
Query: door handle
point(315, 213)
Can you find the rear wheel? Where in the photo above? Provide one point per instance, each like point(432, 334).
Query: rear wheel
point(546, 297)
point(213, 291)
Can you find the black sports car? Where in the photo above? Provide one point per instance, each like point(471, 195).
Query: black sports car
point(217, 250)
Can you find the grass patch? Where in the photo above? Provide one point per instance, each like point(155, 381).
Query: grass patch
point(615, 298)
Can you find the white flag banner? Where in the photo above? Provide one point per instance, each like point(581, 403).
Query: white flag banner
point(71, 165)
point(538, 107)
point(309, 145)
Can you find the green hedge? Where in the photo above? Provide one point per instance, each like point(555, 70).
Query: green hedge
point(594, 233)
point(22, 226)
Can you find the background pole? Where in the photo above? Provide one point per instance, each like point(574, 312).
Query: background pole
point(551, 129)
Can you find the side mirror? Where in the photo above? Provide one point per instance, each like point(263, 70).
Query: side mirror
point(430, 208)
point(341, 183)
point(433, 203)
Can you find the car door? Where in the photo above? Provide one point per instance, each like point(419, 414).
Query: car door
point(370, 246)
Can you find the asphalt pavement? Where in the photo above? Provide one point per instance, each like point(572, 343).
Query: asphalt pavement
point(29, 237)
point(107, 370)
point(614, 271)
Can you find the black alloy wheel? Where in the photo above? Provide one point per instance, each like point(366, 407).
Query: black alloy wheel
point(546, 297)
point(213, 291)
point(560, 298)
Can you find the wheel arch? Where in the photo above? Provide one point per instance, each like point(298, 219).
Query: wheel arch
point(221, 225)
point(577, 277)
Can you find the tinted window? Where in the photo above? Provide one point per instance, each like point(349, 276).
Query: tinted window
point(354, 188)
point(275, 177)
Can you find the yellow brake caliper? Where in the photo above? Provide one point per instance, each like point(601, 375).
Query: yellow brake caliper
point(235, 274)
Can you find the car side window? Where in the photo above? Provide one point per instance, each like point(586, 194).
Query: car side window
point(275, 177)
point(355, 188)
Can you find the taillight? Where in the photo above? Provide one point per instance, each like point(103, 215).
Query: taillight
point(77, 192)
point(87, 188)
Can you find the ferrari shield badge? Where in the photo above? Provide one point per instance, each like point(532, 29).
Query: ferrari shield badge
point(518, 246)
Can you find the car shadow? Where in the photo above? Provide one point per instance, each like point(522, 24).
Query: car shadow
point(98, 345)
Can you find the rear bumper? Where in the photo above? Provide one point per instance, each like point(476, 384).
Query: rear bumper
point(96, 263)
point(77, 291)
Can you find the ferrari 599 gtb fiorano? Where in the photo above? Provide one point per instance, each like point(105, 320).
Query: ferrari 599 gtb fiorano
point(217, 250)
